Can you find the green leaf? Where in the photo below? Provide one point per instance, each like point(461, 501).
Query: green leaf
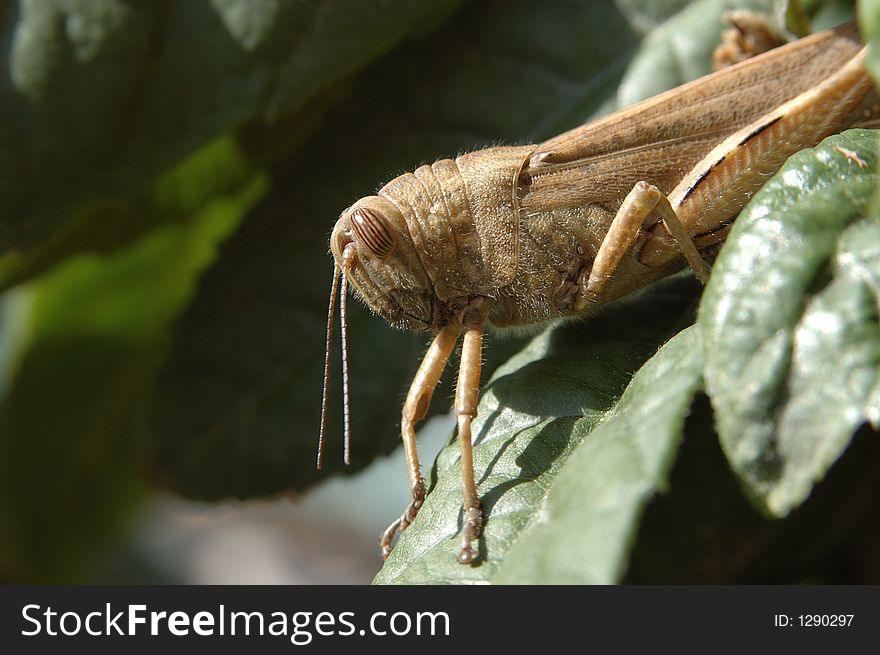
point(130, 88)
point(869, 23)
point(548, 464)
point(218, 169)
point(238, 406)
point(678, 49)
point(79, 350)
point(584, 529)
point(789, 322)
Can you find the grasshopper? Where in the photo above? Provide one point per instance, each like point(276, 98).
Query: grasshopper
point(525, 235)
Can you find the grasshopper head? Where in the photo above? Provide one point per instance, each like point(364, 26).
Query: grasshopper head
point(373, 248)
point(375, 254)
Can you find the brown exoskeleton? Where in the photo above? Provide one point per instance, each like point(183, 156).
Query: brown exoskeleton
point(509, 236)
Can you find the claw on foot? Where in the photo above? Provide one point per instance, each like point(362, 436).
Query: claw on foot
point(388, 538)
point(401, 524)
point(473, 524)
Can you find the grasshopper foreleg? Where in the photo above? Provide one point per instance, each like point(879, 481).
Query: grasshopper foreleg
point(416, 406)
point(637, 207)
point(414, 409)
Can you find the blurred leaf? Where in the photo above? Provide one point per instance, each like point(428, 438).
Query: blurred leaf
point(792, 346)
point(219, 168)
point(79, 349)
point(869, 23)
point(130, 88)
point(679, 48)
point(100, 96)
point(238, 406)
point(826, 14)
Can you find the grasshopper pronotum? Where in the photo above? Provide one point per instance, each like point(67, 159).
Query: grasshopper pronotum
point(510, 236)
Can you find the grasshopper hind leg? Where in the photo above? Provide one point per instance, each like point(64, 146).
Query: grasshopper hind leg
point(636, 209)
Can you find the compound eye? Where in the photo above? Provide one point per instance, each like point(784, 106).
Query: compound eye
point(373, 232)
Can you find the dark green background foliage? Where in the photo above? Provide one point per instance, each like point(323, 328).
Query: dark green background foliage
point(170, 172)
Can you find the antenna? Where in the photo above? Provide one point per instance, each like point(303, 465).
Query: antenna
point(349, 255)
point(346, 405)
point(331, 314)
